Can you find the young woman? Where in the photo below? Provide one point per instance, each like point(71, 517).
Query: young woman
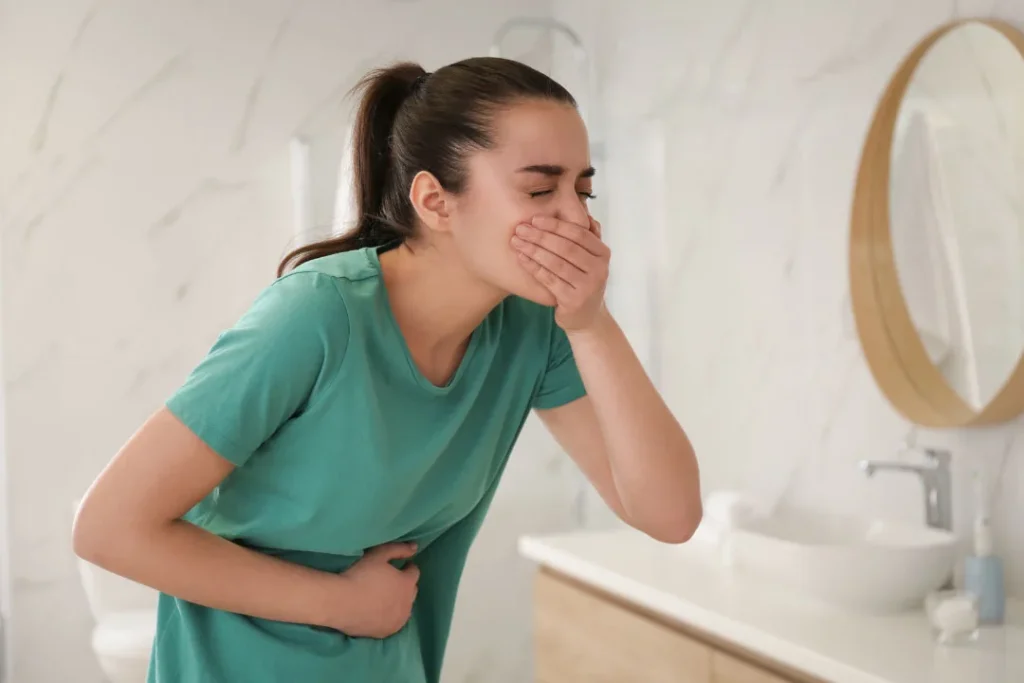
point(306, 500)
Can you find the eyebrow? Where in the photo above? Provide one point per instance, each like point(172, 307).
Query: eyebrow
point(555, 170)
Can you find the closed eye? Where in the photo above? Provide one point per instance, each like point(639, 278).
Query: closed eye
point(585, 195)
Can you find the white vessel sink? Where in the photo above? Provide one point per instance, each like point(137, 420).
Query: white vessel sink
point(851, 562)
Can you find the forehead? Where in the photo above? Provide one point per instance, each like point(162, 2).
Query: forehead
point(540, 132)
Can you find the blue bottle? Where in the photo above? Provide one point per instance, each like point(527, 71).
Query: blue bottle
point(983, 571)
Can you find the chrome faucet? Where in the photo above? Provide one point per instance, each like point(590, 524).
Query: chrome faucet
point(937, 480)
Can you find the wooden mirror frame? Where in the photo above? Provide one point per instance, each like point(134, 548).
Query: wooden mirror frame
point(895, 353)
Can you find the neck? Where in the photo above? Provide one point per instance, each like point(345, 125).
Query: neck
point(436, 301)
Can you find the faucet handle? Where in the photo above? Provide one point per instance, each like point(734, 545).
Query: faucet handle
point(940, 456)
point(908, 444)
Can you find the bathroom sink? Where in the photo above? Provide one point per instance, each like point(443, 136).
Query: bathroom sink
point(851, 562)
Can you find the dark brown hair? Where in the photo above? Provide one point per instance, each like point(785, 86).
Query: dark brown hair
point(411, 121)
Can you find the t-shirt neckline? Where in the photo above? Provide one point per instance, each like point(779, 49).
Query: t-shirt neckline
point(373, 257)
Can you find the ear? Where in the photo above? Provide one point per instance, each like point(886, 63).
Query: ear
point(429, 201)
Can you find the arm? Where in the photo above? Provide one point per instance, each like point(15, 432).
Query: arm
point(258, 375)
point(129, 523)
point(625, 439)
point(622, 435)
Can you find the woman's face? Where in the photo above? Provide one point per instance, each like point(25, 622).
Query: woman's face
point(539, 166)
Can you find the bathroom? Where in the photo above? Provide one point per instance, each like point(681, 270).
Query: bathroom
point(159, 158)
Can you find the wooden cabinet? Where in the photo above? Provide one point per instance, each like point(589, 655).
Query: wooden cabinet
point(581, 636)
point(728, 669)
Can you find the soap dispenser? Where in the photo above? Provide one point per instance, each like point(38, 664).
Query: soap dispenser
point(983, 571)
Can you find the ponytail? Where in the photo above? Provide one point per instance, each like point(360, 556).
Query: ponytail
point(411, 121)
point(379, 199)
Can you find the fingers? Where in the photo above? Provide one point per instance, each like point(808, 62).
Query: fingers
point(412, 571)
point(393, 551)
point(569, 260)
point(566, 250)
point(534, 241)
point(586, 237)
point(555, 284)
point(548, 258)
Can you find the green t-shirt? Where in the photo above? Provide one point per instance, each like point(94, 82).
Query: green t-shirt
point(341, 445)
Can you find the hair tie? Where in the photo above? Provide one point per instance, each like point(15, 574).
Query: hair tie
point(419, 81)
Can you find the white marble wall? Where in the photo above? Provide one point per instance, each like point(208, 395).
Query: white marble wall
point(145, 198)
point(763, 105)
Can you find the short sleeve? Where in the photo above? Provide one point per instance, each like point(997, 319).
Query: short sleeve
point(265, 369)
point(561, 383)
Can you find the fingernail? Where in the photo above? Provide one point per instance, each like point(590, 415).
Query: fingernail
point(522, 229)
point(516, 242)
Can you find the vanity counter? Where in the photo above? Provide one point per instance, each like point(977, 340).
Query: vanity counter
point(686, 585)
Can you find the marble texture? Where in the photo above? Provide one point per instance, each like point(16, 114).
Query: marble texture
point(762, 108)
point(145, 197)
point(686, 584)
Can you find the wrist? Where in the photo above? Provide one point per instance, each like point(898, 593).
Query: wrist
point(333, 602)
point(599, 326)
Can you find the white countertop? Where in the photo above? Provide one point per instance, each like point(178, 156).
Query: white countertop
point(687, 584)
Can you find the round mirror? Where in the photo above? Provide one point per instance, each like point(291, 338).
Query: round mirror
point(937, 250)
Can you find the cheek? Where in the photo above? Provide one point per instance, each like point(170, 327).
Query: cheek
point(485, 229)
point(484, 245)
point(483, 232)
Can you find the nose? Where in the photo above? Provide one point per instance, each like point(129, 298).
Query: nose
point(573, 209)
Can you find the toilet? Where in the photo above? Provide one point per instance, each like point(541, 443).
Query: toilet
point(125, 616)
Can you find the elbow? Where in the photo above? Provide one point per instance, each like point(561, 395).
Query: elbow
point(83, 542)
point(88, 540)
point(676, 528)
point(673, 515)
point(678, 532)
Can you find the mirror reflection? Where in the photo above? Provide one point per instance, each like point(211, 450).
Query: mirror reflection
point(957, 208)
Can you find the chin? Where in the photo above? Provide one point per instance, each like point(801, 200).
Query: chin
point(535, 292)
point(512, 278)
